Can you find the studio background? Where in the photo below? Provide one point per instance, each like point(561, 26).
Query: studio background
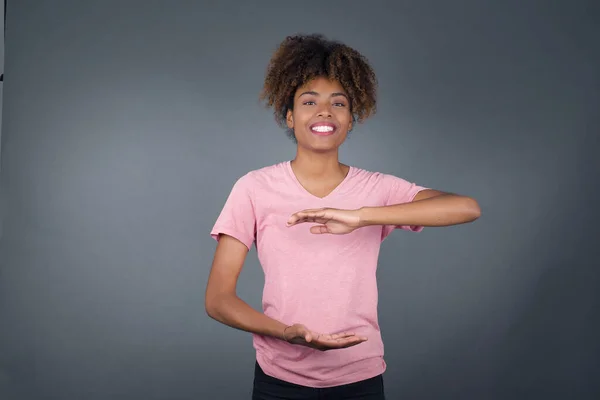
point(126, 123)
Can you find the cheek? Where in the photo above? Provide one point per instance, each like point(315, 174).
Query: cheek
point(300, 118)
point(344, 117)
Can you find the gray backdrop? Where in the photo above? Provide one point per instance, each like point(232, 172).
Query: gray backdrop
point(127, 122)
point(1, 89)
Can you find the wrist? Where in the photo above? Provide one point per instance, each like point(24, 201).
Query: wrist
point(365, 216)
point(284, 337)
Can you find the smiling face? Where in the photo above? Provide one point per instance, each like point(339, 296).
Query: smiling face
point(321, 117)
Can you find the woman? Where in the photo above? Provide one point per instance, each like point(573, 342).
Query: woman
point(318, 334)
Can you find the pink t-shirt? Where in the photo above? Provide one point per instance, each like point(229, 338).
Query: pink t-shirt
point(326, 282)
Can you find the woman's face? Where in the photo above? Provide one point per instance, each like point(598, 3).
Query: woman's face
point(321, 117)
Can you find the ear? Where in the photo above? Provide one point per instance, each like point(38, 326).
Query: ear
point(290, 119)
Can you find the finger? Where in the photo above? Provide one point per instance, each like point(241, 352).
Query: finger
point(342, 335)
point(305, 216)
point(345, 342)
point(351, 341)
point(350, 338)
point(319, 229)
point(294, 219)
point(299, 218)
point(301, 214)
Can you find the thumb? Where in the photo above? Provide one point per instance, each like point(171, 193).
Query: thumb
point(305, 333)
point(319, 229)
point(300, 331)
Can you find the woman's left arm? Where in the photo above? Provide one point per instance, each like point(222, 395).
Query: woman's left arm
point(429, 208)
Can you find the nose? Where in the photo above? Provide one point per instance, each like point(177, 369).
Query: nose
point(324, 111)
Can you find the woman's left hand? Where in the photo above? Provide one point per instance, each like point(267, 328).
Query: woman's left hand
point(330, 220)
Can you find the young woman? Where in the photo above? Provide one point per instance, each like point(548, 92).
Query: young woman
point(317, 225)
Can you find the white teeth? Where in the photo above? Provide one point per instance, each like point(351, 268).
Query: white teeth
point(323, 128)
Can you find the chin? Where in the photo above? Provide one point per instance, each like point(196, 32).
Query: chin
point(322, 144)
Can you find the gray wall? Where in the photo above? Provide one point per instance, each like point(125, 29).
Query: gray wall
point(1, 87)
point(127, 122)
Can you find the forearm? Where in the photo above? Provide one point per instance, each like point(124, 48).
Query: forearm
point(234, 312)
point(443, 210)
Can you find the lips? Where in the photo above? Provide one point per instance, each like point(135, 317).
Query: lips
point(323, 128)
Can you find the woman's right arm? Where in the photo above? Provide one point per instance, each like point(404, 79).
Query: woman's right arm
point(221, 300)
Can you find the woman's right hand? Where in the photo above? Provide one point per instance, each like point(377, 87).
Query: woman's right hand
point(301, 335)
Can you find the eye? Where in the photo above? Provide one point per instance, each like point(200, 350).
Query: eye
point(308, 103)
point(339, 104)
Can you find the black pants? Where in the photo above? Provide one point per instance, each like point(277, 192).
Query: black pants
point(269, 388)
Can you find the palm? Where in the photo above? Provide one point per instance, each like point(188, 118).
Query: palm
point(300, 335)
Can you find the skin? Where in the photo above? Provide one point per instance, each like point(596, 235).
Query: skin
point(316, 164)
point(318, 169)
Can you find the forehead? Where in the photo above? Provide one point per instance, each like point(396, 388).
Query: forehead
point(321, 85)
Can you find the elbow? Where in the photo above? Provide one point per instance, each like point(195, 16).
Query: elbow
point(474, 210)
point(211, 305)
point(215, 304)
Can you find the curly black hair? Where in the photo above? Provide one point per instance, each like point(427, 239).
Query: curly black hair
point(301, 58)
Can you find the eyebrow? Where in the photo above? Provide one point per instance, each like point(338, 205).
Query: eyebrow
point(336, 94)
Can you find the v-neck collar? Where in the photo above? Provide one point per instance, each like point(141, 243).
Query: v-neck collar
point(293, 176)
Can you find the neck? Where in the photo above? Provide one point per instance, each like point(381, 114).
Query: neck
point(317, 165)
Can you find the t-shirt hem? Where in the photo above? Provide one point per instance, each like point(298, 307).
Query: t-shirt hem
point(233, 233)
point(274, 372)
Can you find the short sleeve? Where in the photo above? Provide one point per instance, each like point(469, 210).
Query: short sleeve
point(399, 191)
point(237, 218)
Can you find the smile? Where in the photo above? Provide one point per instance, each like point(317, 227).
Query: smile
point(323, 128)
